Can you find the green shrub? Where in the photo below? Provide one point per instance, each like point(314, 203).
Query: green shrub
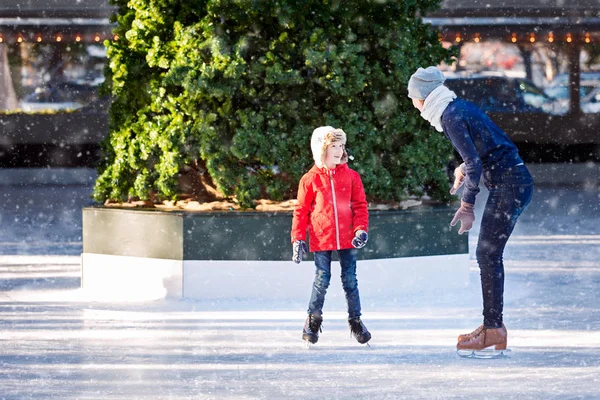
point(235, 88)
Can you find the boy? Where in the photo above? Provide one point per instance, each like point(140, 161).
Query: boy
point(332, 205)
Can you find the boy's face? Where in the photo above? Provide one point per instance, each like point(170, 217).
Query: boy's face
point(334, 153)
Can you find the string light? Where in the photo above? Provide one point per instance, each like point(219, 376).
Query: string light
point(458, 38)
point(1, 39)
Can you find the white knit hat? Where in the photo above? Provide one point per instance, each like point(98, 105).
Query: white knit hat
point(322, 137)
point(424, 81)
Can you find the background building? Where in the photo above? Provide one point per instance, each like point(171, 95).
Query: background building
point(533, 65)
point(52, 61)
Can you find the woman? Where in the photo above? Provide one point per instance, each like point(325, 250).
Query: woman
point(485, 150)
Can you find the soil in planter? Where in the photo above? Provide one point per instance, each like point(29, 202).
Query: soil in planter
point(198, 193)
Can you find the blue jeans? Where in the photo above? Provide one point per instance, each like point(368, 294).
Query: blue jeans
point(510, 193)
point(323, 277)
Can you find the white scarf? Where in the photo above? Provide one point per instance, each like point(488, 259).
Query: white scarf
point(435, 105)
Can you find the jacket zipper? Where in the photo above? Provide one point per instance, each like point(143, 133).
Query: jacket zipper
point(335, 212)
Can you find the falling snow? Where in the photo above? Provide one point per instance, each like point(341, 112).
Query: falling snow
point(59, 342)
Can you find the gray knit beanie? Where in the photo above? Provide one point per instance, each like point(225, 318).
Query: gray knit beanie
point(424, 81)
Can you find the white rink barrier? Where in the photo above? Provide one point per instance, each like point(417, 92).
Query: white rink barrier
point(140, 277)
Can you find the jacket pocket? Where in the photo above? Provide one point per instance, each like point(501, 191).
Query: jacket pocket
point(319, 223)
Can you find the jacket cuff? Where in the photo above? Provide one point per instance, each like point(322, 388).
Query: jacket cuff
point(468, 197)
point(467, 205)
point(361, 228)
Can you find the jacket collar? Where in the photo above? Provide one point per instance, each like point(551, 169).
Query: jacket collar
point(325, 171)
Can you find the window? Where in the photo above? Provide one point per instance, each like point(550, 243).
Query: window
point(50, 77)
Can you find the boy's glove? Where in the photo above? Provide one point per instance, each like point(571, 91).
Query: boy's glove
point(300, 249)
point(459, 178)
point(360, 239)
point(465, 215)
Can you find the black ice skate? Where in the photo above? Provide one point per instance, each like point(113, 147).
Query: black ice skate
point(359, 330)
point(312, 327)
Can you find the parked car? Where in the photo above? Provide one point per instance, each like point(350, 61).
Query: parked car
point(529, 116)
point(48, 98)
point(503, 94)
point(559, 87)
point(591, 102)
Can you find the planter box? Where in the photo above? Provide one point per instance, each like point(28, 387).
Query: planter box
point(152, 254)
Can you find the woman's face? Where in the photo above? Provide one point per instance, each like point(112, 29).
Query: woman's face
point(418, 104)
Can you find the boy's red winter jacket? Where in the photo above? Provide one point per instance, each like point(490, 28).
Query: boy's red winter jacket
point(332, 205)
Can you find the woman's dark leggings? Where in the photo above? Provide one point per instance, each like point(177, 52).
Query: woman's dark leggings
point(510, 193)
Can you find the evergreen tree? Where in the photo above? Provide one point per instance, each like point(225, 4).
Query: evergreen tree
point(232, 90)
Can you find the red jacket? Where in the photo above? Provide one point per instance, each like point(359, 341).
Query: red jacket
point(332, 205)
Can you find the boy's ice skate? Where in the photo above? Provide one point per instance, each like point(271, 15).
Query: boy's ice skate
point(478, 343)
point(312, 327)
point(359, 330)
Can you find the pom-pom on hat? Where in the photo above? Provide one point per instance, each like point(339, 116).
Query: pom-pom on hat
point(424, 81)
point(322, 137)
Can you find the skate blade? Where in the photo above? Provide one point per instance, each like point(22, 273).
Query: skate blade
point(485, 354)
point(308, 345)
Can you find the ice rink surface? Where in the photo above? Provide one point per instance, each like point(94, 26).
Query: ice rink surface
point(59, 342)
